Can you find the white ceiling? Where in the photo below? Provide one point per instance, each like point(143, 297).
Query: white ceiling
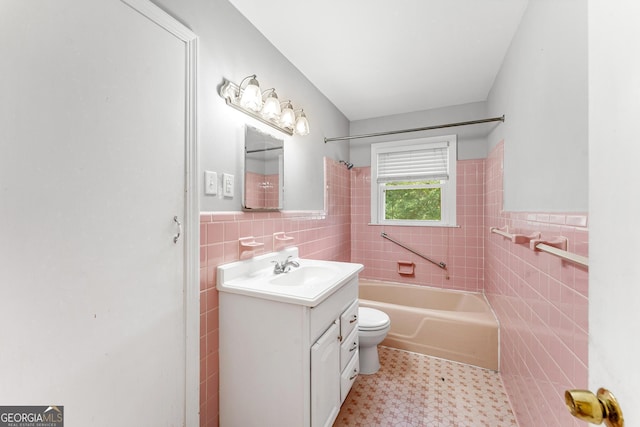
point(375, 58)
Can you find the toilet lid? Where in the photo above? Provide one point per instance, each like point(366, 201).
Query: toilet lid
point(370, 318)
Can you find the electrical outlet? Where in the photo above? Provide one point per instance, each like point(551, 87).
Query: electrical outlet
point(227, 185)
point(210, 183)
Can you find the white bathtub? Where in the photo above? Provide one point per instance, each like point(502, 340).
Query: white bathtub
point(452, 325)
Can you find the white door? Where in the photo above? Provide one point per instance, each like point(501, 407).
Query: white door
point(614, 199)
point(92, 174)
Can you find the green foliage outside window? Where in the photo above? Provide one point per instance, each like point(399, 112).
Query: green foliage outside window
point(413, 203)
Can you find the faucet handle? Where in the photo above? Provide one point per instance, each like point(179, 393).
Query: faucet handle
point(294, 263)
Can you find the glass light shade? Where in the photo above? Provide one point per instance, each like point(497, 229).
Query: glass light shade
point(271, 108)
point(288, 116)
point(302, 125)
point(251, 96)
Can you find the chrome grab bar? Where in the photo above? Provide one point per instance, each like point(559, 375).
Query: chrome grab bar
point(439, 264)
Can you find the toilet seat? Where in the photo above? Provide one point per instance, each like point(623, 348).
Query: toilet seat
point(370, 319)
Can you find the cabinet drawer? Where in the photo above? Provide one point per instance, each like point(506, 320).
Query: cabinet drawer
point(348, 348)
point(327, 311)
point(349, 319)
point(349, 376)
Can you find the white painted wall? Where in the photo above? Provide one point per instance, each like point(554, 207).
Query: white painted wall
point(472, 141)
point(231, 48)
point(614, 271)
point(542, 90)
point(97, 299)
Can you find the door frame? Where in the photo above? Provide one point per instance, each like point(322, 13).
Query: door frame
point(191, 220)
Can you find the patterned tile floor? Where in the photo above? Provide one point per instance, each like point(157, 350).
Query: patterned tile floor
point(412, 390)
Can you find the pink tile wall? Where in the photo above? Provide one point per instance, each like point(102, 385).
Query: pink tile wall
point(541, 303)
point(254, 193)
point(318, 236)
point(271, 193)
point(261, 190)
point(460, 248)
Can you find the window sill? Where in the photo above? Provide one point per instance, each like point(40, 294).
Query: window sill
point(390, 224)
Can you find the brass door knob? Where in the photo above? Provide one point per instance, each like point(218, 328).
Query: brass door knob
point(595, 409)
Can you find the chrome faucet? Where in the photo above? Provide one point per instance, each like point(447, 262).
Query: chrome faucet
point(284, 266)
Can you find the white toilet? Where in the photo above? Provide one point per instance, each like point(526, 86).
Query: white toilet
point(373, 326)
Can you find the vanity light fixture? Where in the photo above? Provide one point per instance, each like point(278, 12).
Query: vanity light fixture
point(264, 106)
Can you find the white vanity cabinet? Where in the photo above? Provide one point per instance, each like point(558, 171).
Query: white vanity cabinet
point(287, 364)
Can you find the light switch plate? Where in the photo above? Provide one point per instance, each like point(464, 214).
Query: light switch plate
point(227, 185)
point(210, 183)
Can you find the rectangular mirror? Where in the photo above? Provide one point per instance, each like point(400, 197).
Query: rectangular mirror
point(263, 171)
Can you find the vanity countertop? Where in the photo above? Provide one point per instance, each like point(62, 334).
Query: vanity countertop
point(308, 284)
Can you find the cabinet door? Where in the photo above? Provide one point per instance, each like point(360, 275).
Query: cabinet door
point(325, 378)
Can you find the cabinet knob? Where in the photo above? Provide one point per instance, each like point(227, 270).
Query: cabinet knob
point(355, 345)
point(355, 317)
point(355, 374)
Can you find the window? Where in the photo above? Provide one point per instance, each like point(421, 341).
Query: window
point(413, 182)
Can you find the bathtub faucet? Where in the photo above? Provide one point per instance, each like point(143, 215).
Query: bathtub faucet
point(284, 266)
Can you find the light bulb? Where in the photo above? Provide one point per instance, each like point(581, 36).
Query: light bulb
point(288, 116)
point(271, 108)
point(302, 124)
point(251, 96)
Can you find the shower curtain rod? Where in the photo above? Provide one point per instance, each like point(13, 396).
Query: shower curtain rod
point(393, 132)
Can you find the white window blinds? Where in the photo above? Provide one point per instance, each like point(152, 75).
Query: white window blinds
point(411, 163)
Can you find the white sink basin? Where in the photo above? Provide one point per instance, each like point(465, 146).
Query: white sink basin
point(309, 284)
point(305, 275)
